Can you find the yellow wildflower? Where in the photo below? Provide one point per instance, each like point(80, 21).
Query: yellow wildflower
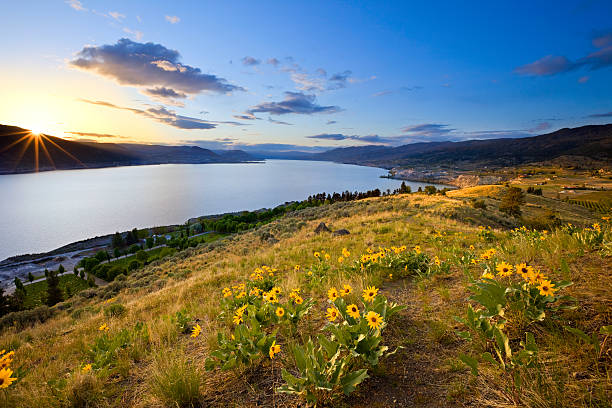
point(6, 359)
point(437, 261)
point(332, 314)
point(332, 294)
point(298, 300)
point(317, 254)
point(274, 349)
point(280, 312)
point(340, 259)
point(327, 257)
point(524, 270)
point(374, 319)
point(104, 327)
point(369, 293)
point(345, 253)
point(546, 288)
point(353, 311)
point(296, 268)
point(5, 377)
point(346, 290)
point(504, 269)
point(86, 368)
point(195, 332)
point(417, 249)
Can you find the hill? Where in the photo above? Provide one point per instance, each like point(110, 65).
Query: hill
point(593, 142)
point(19, 150)
point(158, 337)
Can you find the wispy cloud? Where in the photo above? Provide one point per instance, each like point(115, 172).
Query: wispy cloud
point(540, 127)
point(172, 19)
point(273, 61)
point(137, 34)
point(165, 95)
point(279, 122)
point(166, 116)
point(97, 135)
point(375, 139)
point(600, 115)
point(556, 64)
point(294, 102)
point(76, 4)
point(116, 15)
point(148, 65)
point(250, 61)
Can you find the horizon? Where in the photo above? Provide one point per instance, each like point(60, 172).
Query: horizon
point(126, 73)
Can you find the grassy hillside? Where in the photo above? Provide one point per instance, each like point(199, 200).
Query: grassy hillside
point(427, 253)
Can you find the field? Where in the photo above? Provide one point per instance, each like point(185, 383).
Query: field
point(167, 335)
point(37, 291)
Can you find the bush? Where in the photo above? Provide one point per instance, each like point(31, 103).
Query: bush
point(133, 265)
point(175, 380)
point(85, 391)
point(511, 201)
point(479, 204)
point(26, 318)
point(534, 191)
point(115, 310)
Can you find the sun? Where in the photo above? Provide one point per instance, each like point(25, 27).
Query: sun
point(36, 130)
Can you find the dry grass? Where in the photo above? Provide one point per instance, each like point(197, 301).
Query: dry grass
point(424, 373)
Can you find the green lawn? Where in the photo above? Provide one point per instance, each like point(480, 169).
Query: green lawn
point(37, 292)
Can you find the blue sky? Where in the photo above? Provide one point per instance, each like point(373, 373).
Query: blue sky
point(316, 73)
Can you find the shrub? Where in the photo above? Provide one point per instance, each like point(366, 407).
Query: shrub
point(479, 204)
point(511, 201)
point(115, 310)
point(85, 391)
point(133, 265)
point(25, 318)
point(175, 380)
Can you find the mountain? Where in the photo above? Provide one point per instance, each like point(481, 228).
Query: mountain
point(593, 142)
point(19, 149)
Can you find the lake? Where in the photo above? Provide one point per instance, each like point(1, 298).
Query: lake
point(43, 211)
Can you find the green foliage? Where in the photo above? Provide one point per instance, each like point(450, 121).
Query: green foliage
point(115, 310)
point(106, 348)
point(181, 320)
point(511, 201)
point(323, 371)
point(248, 344)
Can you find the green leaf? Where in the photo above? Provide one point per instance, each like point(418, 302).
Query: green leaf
point(486, 356)
point(470, 362)
point(351, 380)
point(606, 330)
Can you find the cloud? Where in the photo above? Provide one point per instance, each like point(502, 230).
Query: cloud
point(554, 64)
point(273, 61)
point(307, 83)
point(331, 122)
point(166, 116)
point(246, 116)
point(540, 127)
point(148, 65)
point(601, 115)
point(338, 81)
point(165, 95)
point(399, 90)
point(250, 61)
point(294, 102)
point(427, 129)
point(137, 34)
point(279, 122)
point(116, 15)
point(364, 139)
point(548, 65)
point(583, 80)
point(172, 19)
point(382, 93)
point(97, 135)
point(76, 4)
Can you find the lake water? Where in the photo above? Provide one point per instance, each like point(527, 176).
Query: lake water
point(43, 211)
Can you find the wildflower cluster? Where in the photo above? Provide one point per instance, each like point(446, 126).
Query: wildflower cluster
point(6, 359)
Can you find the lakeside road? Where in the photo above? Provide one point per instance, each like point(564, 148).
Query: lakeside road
point(69, 260)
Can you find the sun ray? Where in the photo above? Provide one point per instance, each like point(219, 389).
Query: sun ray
point(15, 142)
point(63, 150)
point(36, 153)
point(44, 148)
point(23, 150)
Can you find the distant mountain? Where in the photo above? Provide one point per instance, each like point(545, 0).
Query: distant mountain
point(593, 142)
point(19, 149)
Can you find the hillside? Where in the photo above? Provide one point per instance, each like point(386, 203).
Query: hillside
point(19, 149)
point(132, 343)
point(592, 142)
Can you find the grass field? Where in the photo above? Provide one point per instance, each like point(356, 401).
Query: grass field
point(36, 292)
point(430, 251)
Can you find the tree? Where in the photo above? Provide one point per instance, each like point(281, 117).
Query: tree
point(150, 242)
point(142, 256)
point(76, 270)
point(82, 274)
point(61, 269)
point(136, 235)
point(511, 201)
point(54, 292)
point(118, 241)
point(46, 272)
point(117, 253)
point(19, 285)
point(5, 305)
point(30, 277)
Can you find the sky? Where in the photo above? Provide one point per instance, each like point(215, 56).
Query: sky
point(304, 75)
